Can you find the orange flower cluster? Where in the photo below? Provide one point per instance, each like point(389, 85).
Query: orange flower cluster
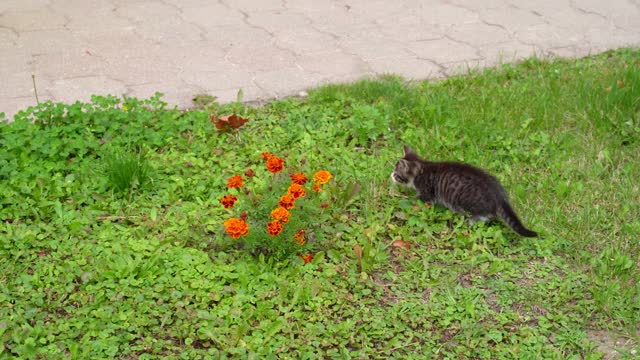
point(275, 164)
point(299, 237)
point(287, 201)
point(236, 227)
point(281, 214)
point(299, 179)
point(228, 201)
point(322, 177)
point(274, 228)
point(306, 257)
point(296, 191)
point(235, 182)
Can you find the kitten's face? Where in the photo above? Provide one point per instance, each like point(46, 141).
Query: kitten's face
point(405, 172)
point(406, 168)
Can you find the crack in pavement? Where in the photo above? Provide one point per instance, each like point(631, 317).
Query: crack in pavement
point(202, 30)
point(577, 8)
point(574, 6)
point(475, 48)
point(12, 30)
point(441, 68)
point(333, 36)
point(499, 26)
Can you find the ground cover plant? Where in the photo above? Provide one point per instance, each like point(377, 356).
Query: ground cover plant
point(112, 242)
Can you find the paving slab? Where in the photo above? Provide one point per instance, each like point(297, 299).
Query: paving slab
point(276, 48)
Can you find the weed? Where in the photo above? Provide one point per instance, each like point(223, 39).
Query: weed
point(127, 171)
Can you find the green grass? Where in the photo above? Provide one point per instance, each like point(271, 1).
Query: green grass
point(126, 171)
point(88, 273)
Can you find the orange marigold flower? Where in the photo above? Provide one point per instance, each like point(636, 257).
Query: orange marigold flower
point(322, 177)
point(306, 257)
point(281, 214)
point(274, 228)
point(243, 215)
point(235, 182)
point(299, 237)
point(266, 155)
point(316, 187)
point(228, 201)
point(287, 202)
point(275, 164)
point(296, 191)
point(299, 178)
point(236, 227)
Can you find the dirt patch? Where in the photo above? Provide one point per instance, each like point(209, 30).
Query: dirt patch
point(492, 302)
point(388, 296)
point(426, 296)
point(465, 280)
point(612, 345)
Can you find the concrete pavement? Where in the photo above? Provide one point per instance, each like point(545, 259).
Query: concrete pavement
point(275, 48)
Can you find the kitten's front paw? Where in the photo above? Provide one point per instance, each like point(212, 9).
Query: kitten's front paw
point(425, 200)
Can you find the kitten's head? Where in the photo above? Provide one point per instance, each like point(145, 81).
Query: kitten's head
point(407, 168)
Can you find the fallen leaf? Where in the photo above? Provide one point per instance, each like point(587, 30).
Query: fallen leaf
point(226, 122)
point(402, 244)
point(357, 249)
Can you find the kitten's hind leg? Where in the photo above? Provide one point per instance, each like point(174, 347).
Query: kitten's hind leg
point(478, 218)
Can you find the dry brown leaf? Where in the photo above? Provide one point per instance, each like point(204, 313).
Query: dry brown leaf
point(357, 249)
point(402, 244)
point(227, 122)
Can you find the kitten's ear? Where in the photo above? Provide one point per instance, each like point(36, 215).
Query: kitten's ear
point(409, 151)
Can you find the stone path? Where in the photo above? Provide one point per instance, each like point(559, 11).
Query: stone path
point(274, 48)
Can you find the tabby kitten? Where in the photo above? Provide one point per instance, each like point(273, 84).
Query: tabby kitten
point(459, 187)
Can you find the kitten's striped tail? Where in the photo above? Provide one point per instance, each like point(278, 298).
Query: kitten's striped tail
point(506, 213)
